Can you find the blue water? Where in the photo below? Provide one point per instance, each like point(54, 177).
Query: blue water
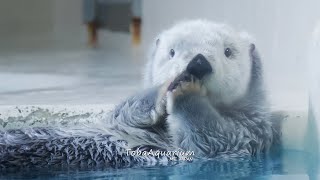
point(287, 165)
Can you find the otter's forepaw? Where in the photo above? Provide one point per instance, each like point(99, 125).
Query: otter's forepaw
point(161, 103)
point(185, 84)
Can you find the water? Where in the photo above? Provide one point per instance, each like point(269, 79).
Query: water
point(290, 165)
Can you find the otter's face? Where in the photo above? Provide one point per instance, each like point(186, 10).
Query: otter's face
point(217, 55)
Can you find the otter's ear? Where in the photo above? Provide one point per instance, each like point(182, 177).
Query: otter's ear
point(157, 42)
point(154, 47)
point(256, 65)
point(252, 49)
point(254, 55)
point(148, 68)
point(250, 41)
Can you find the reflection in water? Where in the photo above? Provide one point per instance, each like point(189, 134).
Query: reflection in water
point(240, 168)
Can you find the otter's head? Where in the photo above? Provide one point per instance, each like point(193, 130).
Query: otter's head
point(214, 53)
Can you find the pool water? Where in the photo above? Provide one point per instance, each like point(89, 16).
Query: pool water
point(286, 165)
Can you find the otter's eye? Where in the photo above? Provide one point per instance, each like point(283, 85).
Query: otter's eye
point(227, 52)
point(172, 53)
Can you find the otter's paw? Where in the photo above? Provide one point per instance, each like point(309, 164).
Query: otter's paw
point(185, 84)
point(161, 103)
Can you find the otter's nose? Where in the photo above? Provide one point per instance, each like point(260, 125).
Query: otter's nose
point(199, 66)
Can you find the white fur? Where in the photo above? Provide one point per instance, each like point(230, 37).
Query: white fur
point(231, 75)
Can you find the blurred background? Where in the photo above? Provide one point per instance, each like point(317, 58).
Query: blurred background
point(93, 51)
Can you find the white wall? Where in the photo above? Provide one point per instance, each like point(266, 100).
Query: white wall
point(67, 15)
point(282, 30)
point(31, 17)
point(18, 18)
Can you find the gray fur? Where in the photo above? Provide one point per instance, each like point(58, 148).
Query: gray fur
point(103, 144)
